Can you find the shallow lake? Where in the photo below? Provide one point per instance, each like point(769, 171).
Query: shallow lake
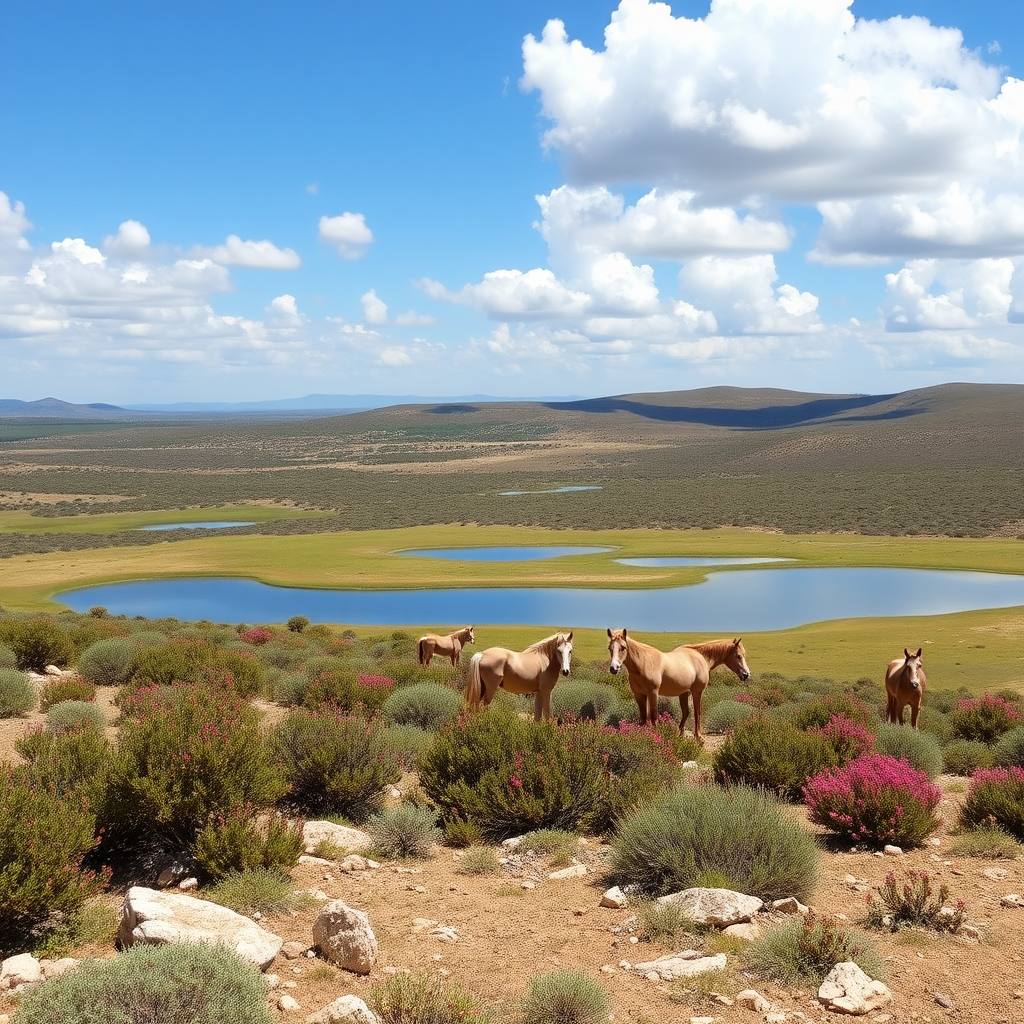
point(502, 554)
point(551, 490)
point(740, 601)
point(196, 526)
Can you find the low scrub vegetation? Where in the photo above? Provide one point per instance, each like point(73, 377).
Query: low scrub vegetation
point(914, 901)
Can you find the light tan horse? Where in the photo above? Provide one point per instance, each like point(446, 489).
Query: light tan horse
point(535, 670)
point(450, 646)
point(681, 673)
point(904, 685)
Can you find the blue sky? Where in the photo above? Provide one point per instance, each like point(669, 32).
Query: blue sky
point(513, 198)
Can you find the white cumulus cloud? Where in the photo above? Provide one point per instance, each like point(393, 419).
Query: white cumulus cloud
point(348, 233)
point(261, 255)
point(375, 310)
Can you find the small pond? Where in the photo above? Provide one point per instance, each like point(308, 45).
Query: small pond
point(657, 563)
point(550, 490)
point(502, 554)
point(740, 601)
point(198, 526)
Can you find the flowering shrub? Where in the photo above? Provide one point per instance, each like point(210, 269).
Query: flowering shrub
point(191, 661)
point(848, 739)
point(242, 840)
point(37, 642)
point(913, 903)
point(65, 762)
point(875, 799)
point(820, 711)
point(984, 718)
point(995, 796)
point(56, 691)
point(257, 637)
point(349, 692)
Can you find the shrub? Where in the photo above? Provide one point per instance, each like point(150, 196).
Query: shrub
point(43, 838)
point(73, 714)
point(349, 691)
point(512, 776)
point(919, 749)
point(995, 796)
point(290, 689)
point(913, 903)
point(579, 698)
point(848, 739)
point(335, 763)
point(662, 922)
point(58, 690)
point(256, 637)
point(283, 655)
point(297, 623)
point(173, 984)
point(1009, 749)
point(262, 890)
point(725, 716)
point(480, 860)
point(37, 643)
point(984, 718)
point(693, 833)
point(459, 833)
point(8, 659)
point(773, 754)
point(241, 839)
point(560, 846)
point(874, 799)
point(962, 757)
point(187, 753)
point(564, 997)
point(408, 742)
point(819, 712)
point(421, 999)
point(429, 706)
point(17, 694)
point(987, 841)
point(75, 761)
point(108, 662)
point(803, 951)
point(92, 924)
point(404, 831)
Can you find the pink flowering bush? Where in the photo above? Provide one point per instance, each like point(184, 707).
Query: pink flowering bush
point(995, 796)
point(876, 800)
point(848, 739)
point(349, 692)
point(257, 636)
point(984, 718)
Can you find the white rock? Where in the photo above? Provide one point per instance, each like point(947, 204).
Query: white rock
point(353, 862)
point(574, 871)
point(968, 931)
point(719, 907)
point(288, 1004)
point(689, 765)
point(680, 965)
point(791, 905)
point(702, 1020)
point(996, 874)
point(52, 670)
point(614, 898)
point(344, 1010)
point(529, 885)
point(293, 950)
point(1011, 900)
point(746, 930)
point(892, 851)
point(272, 980)
point(753, 1000)
point(188, 884)
point(23, 969)
point(445, 932)
point(55, 968)
point(511, 844)
point(314, 832)
point(154, 918)
point(345, 937)
point(847, 989)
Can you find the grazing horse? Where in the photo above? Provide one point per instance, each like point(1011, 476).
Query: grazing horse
point(904, 684)
point(679, 673)
point(535, 670)
point(450, 645)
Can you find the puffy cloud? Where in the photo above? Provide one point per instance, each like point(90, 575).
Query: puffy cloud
point(795, 100)
point(262, 255)
point(375, 310)
point(535, 294)
point(348, 233)
point(617, 286)
point(13, 222)
point(132, 239)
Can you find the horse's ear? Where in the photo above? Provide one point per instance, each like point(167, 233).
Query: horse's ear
point(609, 633)
point(918, 655)
point(624, 634)
point(569, 637)
point(906, 654)
point(737, 641)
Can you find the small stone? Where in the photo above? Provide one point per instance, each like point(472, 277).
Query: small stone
point(511, 844)
point(722, 999)
point(344, 1010)
point(1018, 993)
point(353, 862)
point(188, 884)
point(625, 965)
point(614, 898)
point(293, 950)
point(943, 1000)
point(633, 939)
point(689, 765)
point(775, 1018)
point(423, 924)
point(574, 871)
point(850, 880)
point(445, 932)
point(893, 851)
point(996, 874)
point(529, 885)
point(310, 954)
point(395, 793)
point(968, 931)
point(272, 980)
point(791, 905)
point(753, 1000)
point(702, 1020)
point(1011, 900)
point(746, 930)
point(607, 969)
point(934, 842)
point(287, 1004)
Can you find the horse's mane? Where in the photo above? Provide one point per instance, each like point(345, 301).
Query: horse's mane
point(714, 650)
point(459, 633)
point(546, 642)
point(642, 655)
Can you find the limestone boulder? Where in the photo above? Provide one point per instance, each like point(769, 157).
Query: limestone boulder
point(717, 907)
point(686, 964)
point(345, 937)
point(153, 917)
point(350, 839)
point(344, 1010)
point(847, 989)
point(23, 969)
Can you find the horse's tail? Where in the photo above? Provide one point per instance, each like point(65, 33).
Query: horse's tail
point(421, 649)
point(474, 688)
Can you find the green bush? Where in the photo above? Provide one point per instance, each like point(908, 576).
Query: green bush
point(944, 701)
point(43, 838)
point(459, 832)
point(57, 690)
point(404, 831)
point(422, 999)
point(579, 698)
point(987, 841)
point(919, 749)
point(1009, 749)
point(69, 762)
point(187, 660)
point(696, 833)
point(283, 656)
point(348, 691)
point(241, 839)
point(172, 984)
point(995, 796)
point(803, 950)
point(409, 742)
point(961, 757)
point(72, 714)
point(564, 997)
point(555, 843)
point(773, 754)
point(479, 860)
point(428, 706)
point(820, 711)
point(8, 659)
point(913, 903)
point(108, 662)
point(289, 689)
point(984, 718)
point(187, 752)
point(37, 642)
point(512, 776)
point(17, 694)
point(725, 716)
point(297, 623)
point(335, 763)
point(262, 890)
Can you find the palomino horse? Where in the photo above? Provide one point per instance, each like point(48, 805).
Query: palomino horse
point(904, 684)
point(534, 670)
point(679, 673)
point(450, 645)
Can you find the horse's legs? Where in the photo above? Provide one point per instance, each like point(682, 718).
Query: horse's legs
point(698, 696)
point(915, 710)
point(890, 708)
point(652, 708)
point(641, 703)
point(684, 712)
point(542, 703)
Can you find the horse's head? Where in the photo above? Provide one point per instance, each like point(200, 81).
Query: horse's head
point(912, 668)
point(470, 638)
point(563, 650)
point(616, 650)
point(737, 660)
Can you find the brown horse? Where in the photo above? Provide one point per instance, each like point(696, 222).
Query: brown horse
point(535, 670)
point(680, 673)
point(904, 684)
point(450, 645)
